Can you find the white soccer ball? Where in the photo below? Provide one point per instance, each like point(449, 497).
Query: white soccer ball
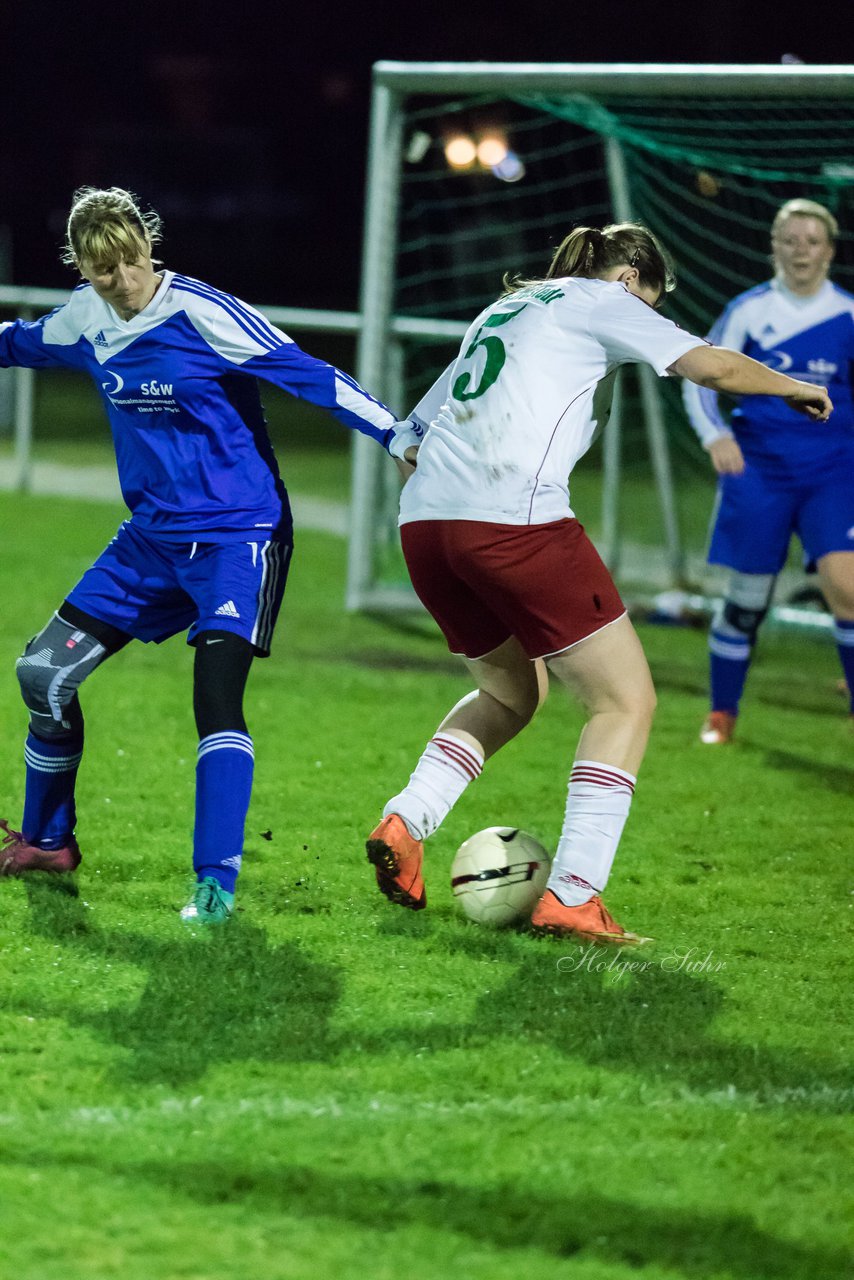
point(499, 875)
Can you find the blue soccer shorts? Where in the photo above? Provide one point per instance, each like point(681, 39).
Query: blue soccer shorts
point(152, 589)
point(757, 514)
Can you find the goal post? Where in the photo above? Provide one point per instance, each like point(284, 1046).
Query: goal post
point(702, 154)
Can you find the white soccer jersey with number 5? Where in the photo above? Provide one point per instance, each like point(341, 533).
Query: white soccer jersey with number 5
point(524, 399)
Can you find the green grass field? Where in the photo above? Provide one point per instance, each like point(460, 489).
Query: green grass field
point(333, 1087)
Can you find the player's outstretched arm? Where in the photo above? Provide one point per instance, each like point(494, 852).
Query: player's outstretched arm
point(739, 375)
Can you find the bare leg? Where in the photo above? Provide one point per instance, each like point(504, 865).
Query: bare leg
point(836, 574)
point(609, 674)
point(510, 688)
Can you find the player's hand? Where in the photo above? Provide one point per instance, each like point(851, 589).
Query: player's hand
point(727, 458)
point(407, 464)
point(812, 401)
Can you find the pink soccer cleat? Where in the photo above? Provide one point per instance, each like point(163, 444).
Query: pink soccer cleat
point(18, 856)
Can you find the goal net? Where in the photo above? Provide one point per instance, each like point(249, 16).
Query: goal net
point(477, 170)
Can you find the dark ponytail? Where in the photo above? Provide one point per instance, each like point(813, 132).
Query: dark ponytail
point(589, 253)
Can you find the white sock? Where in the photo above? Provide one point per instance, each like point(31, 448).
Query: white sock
point(597, 805)
point(441, 776)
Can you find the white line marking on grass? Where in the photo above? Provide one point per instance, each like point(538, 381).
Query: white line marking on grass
point(730, 1098)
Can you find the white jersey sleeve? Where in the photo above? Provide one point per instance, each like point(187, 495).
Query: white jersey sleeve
point(630, 330)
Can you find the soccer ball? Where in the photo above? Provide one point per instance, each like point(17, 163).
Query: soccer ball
point(499, 875)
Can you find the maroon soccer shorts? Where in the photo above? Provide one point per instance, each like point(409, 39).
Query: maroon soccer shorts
point(543, 583)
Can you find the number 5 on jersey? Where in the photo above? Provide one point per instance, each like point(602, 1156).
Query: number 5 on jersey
point(495, 357)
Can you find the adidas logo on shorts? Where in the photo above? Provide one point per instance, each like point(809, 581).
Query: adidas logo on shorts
point(227, 610)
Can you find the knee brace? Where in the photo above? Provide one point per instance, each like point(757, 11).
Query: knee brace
point(742, 621)
point(746, 604)
point(50, 671)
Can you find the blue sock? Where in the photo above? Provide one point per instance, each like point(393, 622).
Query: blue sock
point(729, 662)
point(224, 771)
point(49, 812)
point(843, 632)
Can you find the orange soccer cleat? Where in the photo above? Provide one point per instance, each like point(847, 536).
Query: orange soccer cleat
point(397, 859)
point(18, 856)
point(591, 922)
point(718, 727)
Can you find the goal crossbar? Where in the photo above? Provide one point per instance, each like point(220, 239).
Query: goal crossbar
point(665, 79)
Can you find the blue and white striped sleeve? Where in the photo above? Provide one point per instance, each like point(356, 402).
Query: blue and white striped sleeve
point(701, 403)
point(247, 341)
point(322, 384)
point(34, 344)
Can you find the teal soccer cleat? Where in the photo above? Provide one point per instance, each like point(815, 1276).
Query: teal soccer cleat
point(210, 904)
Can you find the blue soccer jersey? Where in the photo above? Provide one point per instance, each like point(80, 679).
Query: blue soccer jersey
point(178, 382)
point(811, 339)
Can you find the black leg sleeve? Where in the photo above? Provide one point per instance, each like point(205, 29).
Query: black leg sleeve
point(221, 669)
